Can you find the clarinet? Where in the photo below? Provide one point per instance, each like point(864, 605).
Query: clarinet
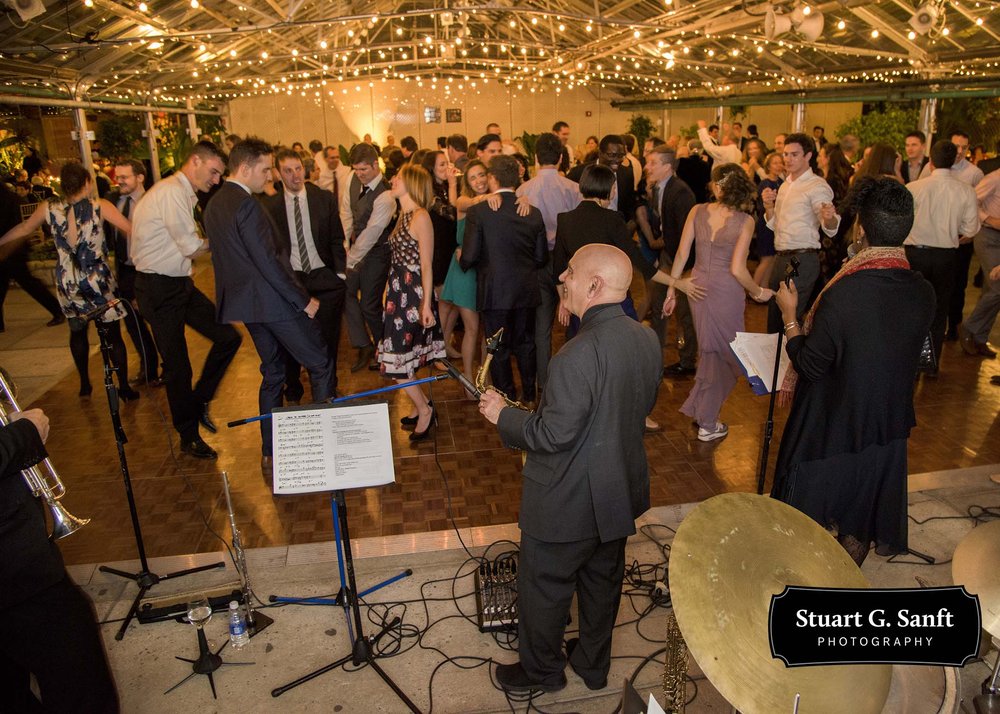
point(241, 561)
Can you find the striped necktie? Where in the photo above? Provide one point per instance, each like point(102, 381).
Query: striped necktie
point(300, 237)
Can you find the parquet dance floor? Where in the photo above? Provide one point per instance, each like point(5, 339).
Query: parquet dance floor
point(463, 473)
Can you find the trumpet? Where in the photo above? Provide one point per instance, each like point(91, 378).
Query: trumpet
point(50, 487)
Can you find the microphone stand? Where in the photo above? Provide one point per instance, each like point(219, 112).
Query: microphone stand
point(145, 578)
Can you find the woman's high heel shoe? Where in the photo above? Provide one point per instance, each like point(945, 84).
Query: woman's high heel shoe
point(421, 435)
point(412, 421)
point(128, 395)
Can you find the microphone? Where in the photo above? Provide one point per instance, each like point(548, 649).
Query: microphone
point(100, 310)
point(455, 373)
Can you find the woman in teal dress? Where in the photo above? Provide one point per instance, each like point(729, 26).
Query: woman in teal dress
point(458, 296)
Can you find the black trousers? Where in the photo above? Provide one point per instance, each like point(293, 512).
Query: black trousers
point(548, 575)
point(545, 315)
point(324, 285)
point(169, 304)
point(136, 325)
point(364, 314)
point(301, 338)
point(937, 265)
point(54, 636)
point(16, 268)
point(956, 301)
point(518, 338)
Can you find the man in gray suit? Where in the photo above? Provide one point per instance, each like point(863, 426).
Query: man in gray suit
point(585, 479)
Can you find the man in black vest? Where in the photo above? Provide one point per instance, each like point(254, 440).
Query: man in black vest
point(130, 175)
point(586, 479)
point(507, 250)
point(310, 234)
point(255, 285)
point(374, 213)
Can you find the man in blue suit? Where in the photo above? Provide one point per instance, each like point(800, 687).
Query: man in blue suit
point(254, 282)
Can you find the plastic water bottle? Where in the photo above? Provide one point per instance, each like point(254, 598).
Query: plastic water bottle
point(238, 635)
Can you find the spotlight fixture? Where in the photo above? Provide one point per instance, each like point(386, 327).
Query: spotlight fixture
point(924, 18)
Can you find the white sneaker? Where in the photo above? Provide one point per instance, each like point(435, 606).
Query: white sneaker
point(718, 432)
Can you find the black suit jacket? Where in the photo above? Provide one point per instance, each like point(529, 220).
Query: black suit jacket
point(29, 561)
point(115, 238)
point(696, 173)
point(327, 233)
point(506, 250)
point(254, 282)
point(586, 474)
point(626, 187)
point(589, 223)
point(675, 204)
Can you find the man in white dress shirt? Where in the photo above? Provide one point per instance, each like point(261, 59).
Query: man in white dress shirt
point(974, 332)
point(796, 213)
point(165, 238)
point(966, 171)
point(725, 153)
point(946, 215)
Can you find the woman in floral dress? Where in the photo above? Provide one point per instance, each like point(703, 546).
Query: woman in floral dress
point(83, 275)
point(411, 336)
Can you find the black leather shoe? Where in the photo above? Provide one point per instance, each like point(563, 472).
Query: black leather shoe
point(198, 449)
point(678, 370)
point(365, 355)
point(412, 421)
point(57, 320)
point(513, 678)
point(205, 420)
point(592, 685)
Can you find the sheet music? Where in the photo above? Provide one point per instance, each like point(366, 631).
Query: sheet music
point(755, 352)
point(322, 448)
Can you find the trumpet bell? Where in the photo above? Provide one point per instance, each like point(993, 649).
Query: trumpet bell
point(64, 523)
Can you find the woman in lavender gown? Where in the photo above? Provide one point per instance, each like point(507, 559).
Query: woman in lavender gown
point(720, 232)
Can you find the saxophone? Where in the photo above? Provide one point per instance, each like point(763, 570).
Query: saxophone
point(492, 347)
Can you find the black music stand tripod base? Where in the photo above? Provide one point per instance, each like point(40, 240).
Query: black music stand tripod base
point(363, 651)
point(145, 579)
point(206, 663)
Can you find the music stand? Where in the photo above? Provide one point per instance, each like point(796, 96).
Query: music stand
point(364, 648)
point(145, 578)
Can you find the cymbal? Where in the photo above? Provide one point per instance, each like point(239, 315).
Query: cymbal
point(729, 556)
point(975, 565)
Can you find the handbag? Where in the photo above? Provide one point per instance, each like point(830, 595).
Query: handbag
point(927, 363)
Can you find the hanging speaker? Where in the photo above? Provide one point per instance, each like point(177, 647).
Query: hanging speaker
point(775, 24)
point(27, 9)
point(924, 18)
point(811, 26)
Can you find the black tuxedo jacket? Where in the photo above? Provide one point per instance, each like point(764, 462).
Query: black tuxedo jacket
point(696, 173)
point(115, 238)
point(626, 188)
point(327, 232)
point(589, 223)
point(675, 204)
point(506, 250)
point(254, 282)
point(586, 474)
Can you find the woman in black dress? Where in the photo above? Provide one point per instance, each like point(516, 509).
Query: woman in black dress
point(411, 336)
point(842, 459)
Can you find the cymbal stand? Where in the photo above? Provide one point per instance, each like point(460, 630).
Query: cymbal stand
point(989, 701)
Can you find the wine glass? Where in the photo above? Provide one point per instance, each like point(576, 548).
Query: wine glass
point(199, 612)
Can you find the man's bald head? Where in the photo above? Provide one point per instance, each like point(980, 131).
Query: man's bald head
point(598, 274)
